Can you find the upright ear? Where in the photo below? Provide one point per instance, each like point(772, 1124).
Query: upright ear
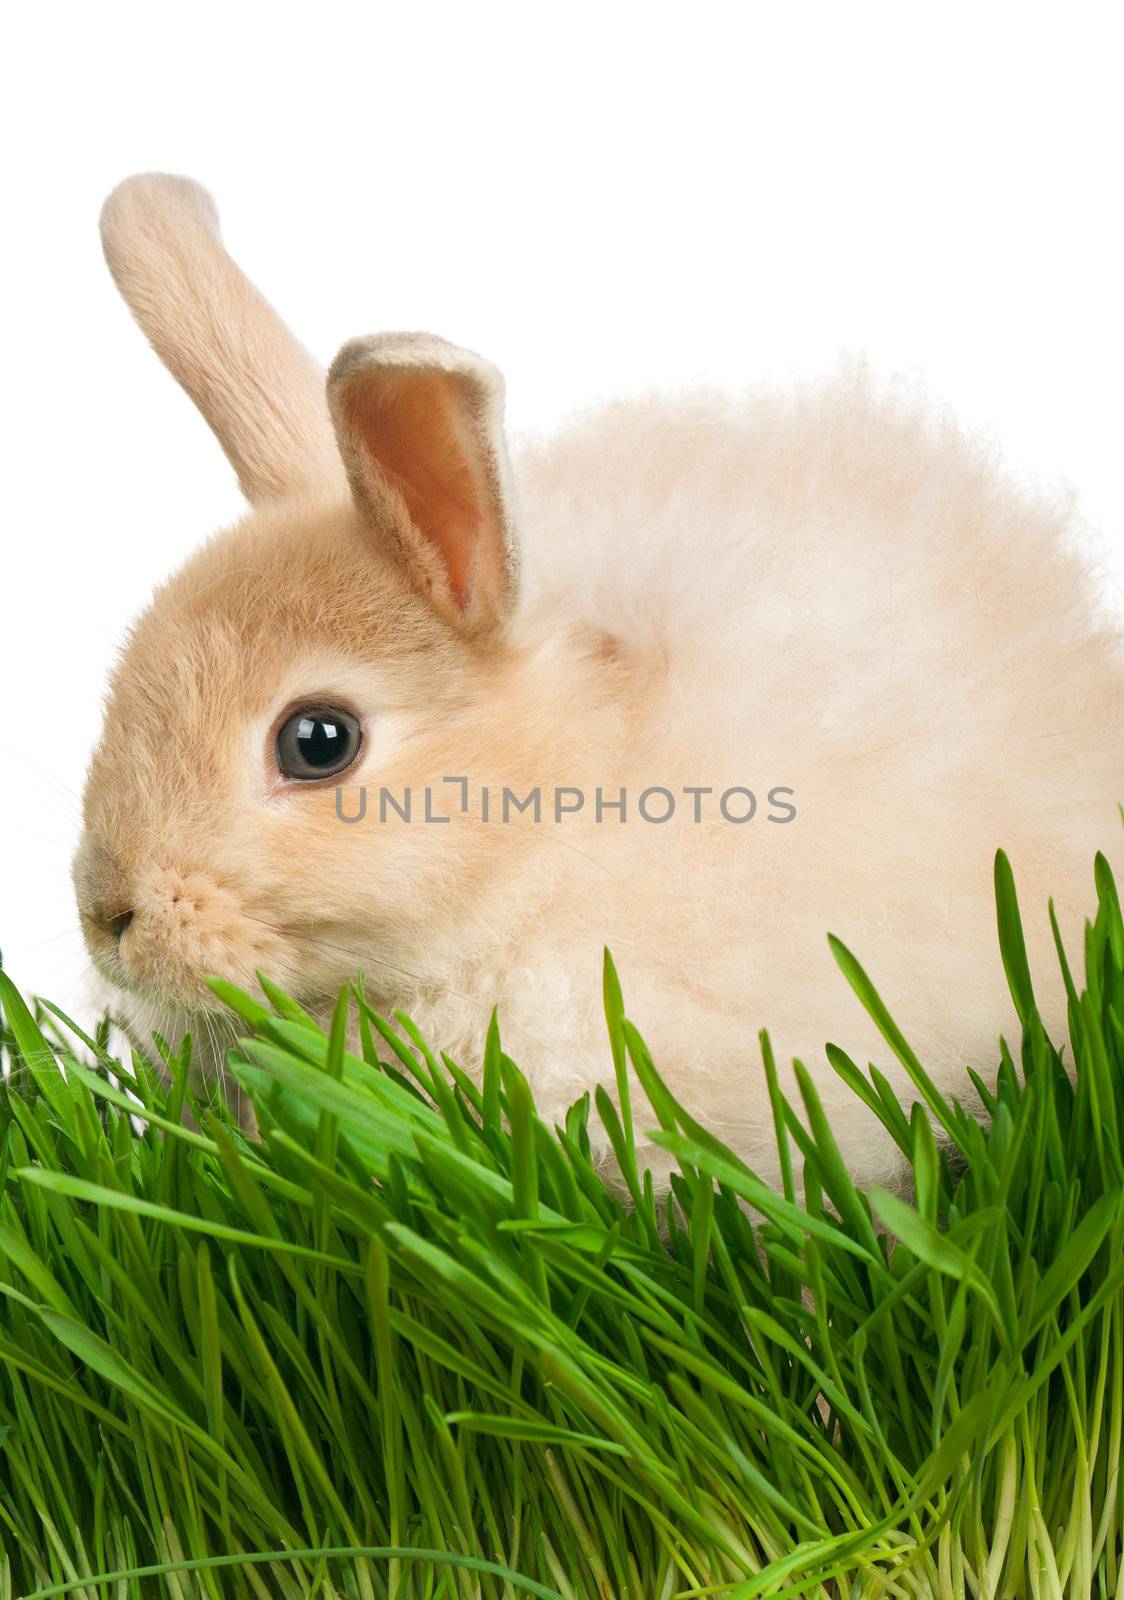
point(261, 392)
point(420, 429)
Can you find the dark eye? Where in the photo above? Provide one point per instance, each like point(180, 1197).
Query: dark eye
point(317, 743)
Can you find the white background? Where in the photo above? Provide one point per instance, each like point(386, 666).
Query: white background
point(599, 197)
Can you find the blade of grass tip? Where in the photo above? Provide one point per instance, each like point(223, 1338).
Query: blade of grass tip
point(441, 1089)
point(557, 1183)
point(876, 1009)
point(936, 1250)
point(1012, 945)
point(237, 1000)
point(117, 1200)
point(492, 1079)
point(701, 1224)
point(622, 1151)
point(284, 1004)
point(98, 1047)
point(891, 1105)
point(473, 1098)
point(407, 1060)
point(35, 1052)
point(792, 1220)
point(367, 1046)
point(181, 1079)
point(848, 1200)
point(926, 1170)
point(780, 1132)
point(887, 1110)
point(614, 1017)
point(1098, 1077)
point(670, 1113)
point(573, 1313)
point(986, 1098)
point(1110, 903)
point(1063, 961)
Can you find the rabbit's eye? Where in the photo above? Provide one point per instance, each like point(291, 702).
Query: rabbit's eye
point(317, 743)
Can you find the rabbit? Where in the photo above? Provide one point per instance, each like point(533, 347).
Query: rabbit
point(776, 665)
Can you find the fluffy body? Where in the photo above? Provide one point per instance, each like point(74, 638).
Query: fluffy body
point(829, 590)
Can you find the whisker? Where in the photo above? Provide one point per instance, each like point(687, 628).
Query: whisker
point(63, 790)
point(361, 959)
point(63, 933)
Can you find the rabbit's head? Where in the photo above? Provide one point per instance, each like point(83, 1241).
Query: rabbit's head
point(348, 641)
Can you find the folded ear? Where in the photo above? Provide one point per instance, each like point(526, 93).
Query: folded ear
point(261, 392)
point(420, 429)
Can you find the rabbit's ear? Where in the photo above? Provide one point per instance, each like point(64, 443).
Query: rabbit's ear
point(261, 392)
point(420, 429)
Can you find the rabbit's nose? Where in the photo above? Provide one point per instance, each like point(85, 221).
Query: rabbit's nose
point(117, 923)
point(104, 900)
point(110, 921)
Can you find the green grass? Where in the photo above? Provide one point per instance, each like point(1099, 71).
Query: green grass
point(413, 1345)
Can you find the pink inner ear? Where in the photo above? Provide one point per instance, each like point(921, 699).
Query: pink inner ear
point(412, 428)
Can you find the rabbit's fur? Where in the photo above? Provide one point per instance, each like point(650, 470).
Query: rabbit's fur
point(829, 592)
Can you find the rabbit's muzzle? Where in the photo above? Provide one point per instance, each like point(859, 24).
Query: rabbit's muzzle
point(162, 931)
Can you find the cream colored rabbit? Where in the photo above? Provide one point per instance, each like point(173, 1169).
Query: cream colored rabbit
point(825, 607)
